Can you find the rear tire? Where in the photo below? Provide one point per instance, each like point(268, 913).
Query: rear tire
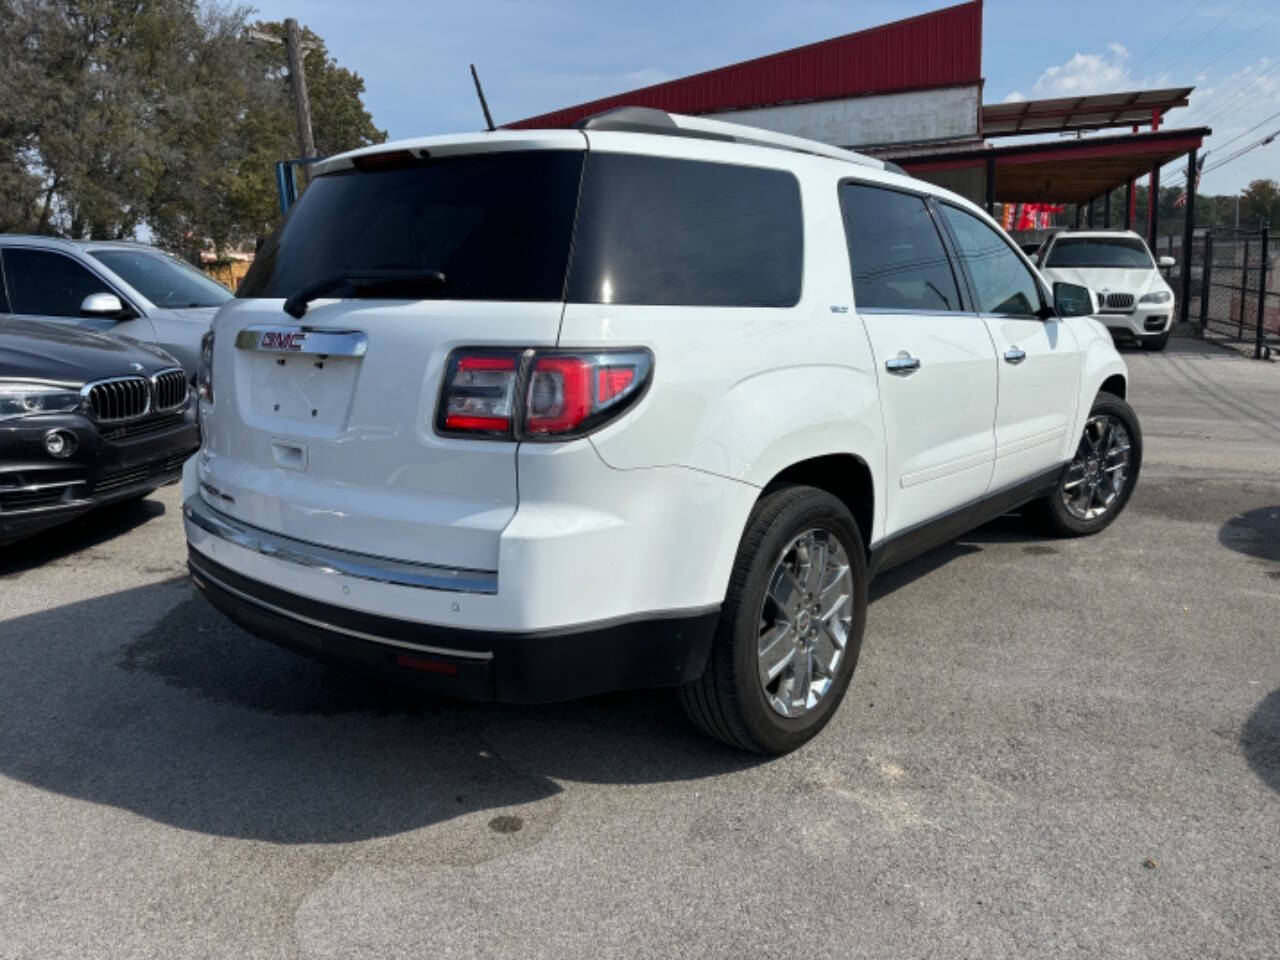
point(1157, 343)
point(800, 554)
point(1090, 495)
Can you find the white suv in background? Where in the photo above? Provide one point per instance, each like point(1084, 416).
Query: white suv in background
point(1133, 299)
point(534, 415)
point(125, 289)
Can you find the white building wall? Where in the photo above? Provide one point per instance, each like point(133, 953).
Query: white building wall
point(921, 116)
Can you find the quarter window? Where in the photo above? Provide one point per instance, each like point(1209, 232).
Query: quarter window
point(46, 284)
point(895, 252)
point(1002, 283)
point(664, 231)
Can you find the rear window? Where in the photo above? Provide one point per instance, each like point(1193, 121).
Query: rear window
point(1125, 253)
point(659, 231)
point(497, 225)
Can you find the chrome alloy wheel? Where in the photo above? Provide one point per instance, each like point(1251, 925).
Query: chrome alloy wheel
point(806, 619)
point(1096, 477)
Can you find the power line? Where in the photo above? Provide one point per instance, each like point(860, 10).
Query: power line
point(1147, 56)
point(1250, 130)
point(1241, 152)
point(1212, 30)
point(1232, 97)
point(1248, 36)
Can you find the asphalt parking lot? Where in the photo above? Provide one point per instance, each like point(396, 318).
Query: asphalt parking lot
point(1051, 748)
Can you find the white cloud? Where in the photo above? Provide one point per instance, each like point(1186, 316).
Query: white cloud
point(1087, 73)
point(1017, 96)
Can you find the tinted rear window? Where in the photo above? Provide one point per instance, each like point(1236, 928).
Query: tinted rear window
point(498, 225)
point(1121, 252)
point(659, 231)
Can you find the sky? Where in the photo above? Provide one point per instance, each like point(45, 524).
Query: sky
point(538, 57)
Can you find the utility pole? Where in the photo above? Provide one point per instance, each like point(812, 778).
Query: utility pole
point(297, 50)
point(298, 78)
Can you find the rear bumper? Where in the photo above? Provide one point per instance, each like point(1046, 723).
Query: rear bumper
point(651, 650)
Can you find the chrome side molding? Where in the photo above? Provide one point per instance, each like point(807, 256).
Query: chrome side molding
point(330, 560)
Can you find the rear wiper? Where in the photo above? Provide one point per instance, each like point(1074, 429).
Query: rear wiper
point(296, 305)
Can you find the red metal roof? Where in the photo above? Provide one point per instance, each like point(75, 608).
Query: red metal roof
point(938, 49)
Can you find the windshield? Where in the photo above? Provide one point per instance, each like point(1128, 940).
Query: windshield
point(164, 280)
point(497, 225)
point(1123, 253)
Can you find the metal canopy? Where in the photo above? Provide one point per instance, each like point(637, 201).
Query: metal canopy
point(1064, 171)
point(1095, 112)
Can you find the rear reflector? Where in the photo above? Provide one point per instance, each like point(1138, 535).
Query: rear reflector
point(539, 394)
point(427, 665)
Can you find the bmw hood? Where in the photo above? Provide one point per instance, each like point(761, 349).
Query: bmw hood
point(1099, 279)
point(31, 349)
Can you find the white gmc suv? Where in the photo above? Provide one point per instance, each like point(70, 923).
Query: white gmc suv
point(533, 415)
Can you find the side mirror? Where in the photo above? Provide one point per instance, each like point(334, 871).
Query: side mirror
point(1166, 262)
point(1073, 300)
point(102, 305)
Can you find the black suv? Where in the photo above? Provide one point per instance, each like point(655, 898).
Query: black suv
point(85, 419)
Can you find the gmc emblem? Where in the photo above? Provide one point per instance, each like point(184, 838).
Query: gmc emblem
point(274, 340)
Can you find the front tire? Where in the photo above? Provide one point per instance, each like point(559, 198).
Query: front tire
point(791, 626)
point(1157, 343)
point(1098, 482)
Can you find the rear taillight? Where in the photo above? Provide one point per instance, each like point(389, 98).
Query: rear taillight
point(538, 394)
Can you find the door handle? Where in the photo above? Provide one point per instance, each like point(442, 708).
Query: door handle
point(1014, 355)
point(903, 365)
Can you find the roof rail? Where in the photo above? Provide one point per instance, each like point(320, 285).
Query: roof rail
point(650, 120)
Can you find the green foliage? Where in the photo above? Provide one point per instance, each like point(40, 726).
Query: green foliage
point(1260, 203)
point(121, 114)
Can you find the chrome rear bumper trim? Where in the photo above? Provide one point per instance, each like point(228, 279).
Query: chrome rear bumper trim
point(330, 560)
point(200, 574)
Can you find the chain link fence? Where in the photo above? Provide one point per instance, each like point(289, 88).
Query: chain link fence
point(1239, 287)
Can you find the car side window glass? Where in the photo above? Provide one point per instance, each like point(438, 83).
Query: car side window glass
point(895, 252)
point(1002, 283)
point(47, 284)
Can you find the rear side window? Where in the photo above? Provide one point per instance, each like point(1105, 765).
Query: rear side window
point(895, 252)
point(497, 225)
point(660, 231)
point(47, 284)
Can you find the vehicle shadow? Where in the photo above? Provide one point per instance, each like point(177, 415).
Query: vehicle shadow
point(1010, 528)
point(150, 701)
point(1260, 740)
point(1255, 533)
point(86, 531)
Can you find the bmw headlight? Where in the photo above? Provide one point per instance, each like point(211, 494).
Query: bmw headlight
point(19, 398)
point(1157, 296)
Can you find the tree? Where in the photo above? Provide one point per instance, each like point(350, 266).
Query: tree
point(339, 122)
point(1260, 203)
point(118, 114)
